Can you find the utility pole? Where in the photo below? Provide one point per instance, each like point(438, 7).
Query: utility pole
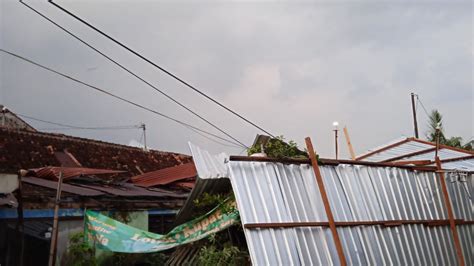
point(336, 129)
point(415, 122)
point(142, 126)
point(54, 235)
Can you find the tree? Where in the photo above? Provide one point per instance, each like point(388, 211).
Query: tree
point(436, 119)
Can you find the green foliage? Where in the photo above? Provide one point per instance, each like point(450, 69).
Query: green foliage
point(436, 119)
point(221, 254)
point(121, 216)
point(79, 252)
point(209, 201)
point(278, 148)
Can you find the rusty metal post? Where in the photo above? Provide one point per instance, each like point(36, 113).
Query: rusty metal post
point(327, 207)
point(449, 208)
point(54, 235)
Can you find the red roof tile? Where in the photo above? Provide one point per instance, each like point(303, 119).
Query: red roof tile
point(166, 176)
point(21, 149)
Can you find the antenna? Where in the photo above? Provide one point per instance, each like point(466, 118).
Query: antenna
point(143, 127)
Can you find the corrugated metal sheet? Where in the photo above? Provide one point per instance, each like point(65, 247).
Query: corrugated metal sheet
point(408, 146)
point(166, 175)
point(207, 165)
point(276, 192)
point(397, 150)
point(185, 255)
point(212, 177)
point(69, 172)
point(123, 190)
point(65, 187)
point(130, 190)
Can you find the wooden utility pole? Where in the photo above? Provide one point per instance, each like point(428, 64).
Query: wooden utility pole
point(324, 196)
point(349, 144)
point(21, 222)
point(413, 108)
point(54, 235)
point(143, 126)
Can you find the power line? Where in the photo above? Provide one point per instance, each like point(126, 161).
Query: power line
point(66, 126)
point(117, 97)
point(218, 142)
point(160, 68)
point(422, 106)
point(131, 72)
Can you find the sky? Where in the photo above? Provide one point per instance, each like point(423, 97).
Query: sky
point(292, 67)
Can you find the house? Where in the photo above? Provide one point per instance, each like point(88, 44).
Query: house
point(97, 175)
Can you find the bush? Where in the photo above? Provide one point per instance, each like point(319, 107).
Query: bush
point(278, 148)
point(79, 253)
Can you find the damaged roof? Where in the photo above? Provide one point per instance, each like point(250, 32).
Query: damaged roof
point(22, 149)
point(413, 149)
point(53, 173)
point(167, 176)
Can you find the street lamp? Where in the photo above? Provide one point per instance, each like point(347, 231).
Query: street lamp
point(335, 124)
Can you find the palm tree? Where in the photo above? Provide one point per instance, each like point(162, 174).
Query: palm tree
point(435, 121)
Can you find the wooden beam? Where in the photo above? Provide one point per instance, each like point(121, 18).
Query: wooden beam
point(452, 223)
point(327, 162)
point(442, 146)
point(414, 162)
point(408, 155)
point(349, 144)
point(457, 159)
point(383, 149)
point(327, 207)
point(357, 223)
point(54, 235)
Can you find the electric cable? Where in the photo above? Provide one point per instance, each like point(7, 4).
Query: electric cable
point(66, 126)
point(130, 72)
point(160, 68)
point(118, 97)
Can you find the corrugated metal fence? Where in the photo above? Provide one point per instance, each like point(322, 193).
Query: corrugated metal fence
point(271, 192)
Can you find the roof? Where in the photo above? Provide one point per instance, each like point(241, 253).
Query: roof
point(95, 190)
point(413, 149)
point(8, 119)
point(69, 172)
point(166, 176)
point(21, 149)
point(283, 192)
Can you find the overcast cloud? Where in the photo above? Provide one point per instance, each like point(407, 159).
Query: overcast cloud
point(291, 67)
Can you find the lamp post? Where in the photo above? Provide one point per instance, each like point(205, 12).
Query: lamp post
point(438, 132)
point(335, 124)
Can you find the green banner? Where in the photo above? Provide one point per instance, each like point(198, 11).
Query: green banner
point(112, 235)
